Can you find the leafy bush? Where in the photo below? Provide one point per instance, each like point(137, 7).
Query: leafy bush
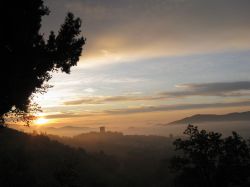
point(208, 159)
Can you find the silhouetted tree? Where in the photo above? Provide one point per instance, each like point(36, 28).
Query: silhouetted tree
point(28, 58)
point(209, 160)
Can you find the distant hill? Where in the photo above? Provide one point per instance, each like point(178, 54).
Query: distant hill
point(37, 160)
point(62, 131)
point(66, 130)
point(116, 143)
point(201, 118)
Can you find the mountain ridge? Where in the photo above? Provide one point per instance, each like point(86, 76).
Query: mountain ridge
point(201, 118)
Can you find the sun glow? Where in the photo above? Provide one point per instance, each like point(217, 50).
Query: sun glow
point(41, 121)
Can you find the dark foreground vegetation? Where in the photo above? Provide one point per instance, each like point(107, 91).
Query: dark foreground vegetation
point(30, 57)
point(202, 159)
point(27, 160)
point(207, 159)
point(36, 160)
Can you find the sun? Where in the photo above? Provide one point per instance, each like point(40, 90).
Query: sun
point(41, 121)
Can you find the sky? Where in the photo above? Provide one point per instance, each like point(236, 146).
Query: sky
point(149, 62)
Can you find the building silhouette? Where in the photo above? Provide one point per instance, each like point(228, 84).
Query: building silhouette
point(102, 129)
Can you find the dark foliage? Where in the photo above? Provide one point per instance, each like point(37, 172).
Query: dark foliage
point(113, 159)
point(28, 58)
point(35, 161)
point(139, 156)
point(209, 160)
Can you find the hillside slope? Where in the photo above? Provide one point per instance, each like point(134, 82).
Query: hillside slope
point(201, 118)
point(28, 160)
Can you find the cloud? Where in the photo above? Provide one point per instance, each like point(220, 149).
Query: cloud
point(89, 90)
point(119, 30)
point(176, 107)
point(102, 100)
point(66, 115)
point(223, 89)
point(148, 109)
point(219, 89)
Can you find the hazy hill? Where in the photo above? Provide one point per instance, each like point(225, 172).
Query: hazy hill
point(34, 160)
point(66, 130)
point(116, 143)
point(140, 156)
point(201, 118)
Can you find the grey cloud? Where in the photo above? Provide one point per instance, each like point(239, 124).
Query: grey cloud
point(160, 108)
point(176, 107)
point(102, 100)
point(84, 101)
point(211, 89)
point(157, 26)
point(221, 89)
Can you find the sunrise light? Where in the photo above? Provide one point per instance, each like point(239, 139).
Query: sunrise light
point(41, 121)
